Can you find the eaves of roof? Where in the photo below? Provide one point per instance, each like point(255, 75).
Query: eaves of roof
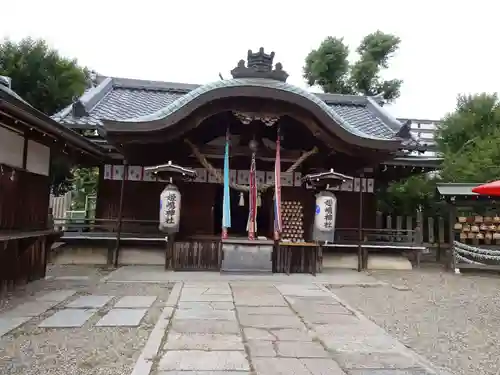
point(14, 104)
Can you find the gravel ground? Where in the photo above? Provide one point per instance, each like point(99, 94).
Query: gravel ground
point(453, 320)
point(88, 350)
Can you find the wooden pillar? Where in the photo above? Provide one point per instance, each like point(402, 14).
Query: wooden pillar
point(361, 260)
point(120, 214)
point(451, 235)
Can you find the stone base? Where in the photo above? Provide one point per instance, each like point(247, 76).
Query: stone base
point(245, 256)
point(375, 261)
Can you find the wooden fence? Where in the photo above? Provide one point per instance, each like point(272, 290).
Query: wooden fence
point(433, 229)
point(59, 206)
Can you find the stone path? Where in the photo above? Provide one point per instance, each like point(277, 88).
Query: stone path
point(225, 328)
point(240, 328)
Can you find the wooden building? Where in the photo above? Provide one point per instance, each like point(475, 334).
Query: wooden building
point(144, 123)
point(28, 141)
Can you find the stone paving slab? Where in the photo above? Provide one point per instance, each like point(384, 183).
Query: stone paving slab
point(304, 308)
point(199, 341)
point(189, 360)
point(308, 300)
point(284, 334)
point(322, 366)
point(333, 320)
point(208, 284)
point(320, 318)
point(202, 373)
point(374, 360)
point(8, 324)
point(205, 326)
point(390, 372)
point(133, 302)
point(300, 349)
point(265, 310)
point(294, 366)
point(187, 297)
point(270, 321)
point(122, 317)
point(218, 290)
point(68, 318)
point(246, 288)
point(302, 290)
point(205, 314)
point(56, 296)
point(29, 309)
point(259, 300)
point(293, 349)
point(206, 305)
point(91, 301)
point(357, 328)
point(362, 345)
point(207, 291)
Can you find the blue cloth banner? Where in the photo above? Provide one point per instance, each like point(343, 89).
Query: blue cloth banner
point(226, 203)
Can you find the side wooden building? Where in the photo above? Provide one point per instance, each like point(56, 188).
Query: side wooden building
point(29, 140)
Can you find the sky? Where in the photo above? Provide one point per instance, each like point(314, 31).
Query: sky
point(447, 47)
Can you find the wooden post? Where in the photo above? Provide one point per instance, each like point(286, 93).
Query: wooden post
point(451, 235)
point(361, 261)
point(120, 214)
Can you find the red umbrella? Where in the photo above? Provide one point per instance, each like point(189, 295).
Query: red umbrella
point(491, 188)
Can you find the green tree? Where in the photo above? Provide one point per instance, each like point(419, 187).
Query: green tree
point(329, 66)
point(49, 82)
point(468, 140)
point(84, 185)
point(406, 196)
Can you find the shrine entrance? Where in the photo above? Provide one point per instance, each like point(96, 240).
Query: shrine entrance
point(239, 214)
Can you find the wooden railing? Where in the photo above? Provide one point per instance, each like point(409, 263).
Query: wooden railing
point(370, 240)
point(112, 232)
point(23, 256)
point(382, 236)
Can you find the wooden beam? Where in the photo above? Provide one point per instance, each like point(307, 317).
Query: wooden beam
point(218, 152)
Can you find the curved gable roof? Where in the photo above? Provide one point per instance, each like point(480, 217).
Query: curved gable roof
point(274, 85)
point(257, 88)
point(122, 101)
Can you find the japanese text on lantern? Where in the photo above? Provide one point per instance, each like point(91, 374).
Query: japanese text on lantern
point(329, 213)
point(170, 208)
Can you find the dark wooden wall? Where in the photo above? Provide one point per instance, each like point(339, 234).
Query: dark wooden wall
point(141, 202)
point(24, 200)
point(24, 205)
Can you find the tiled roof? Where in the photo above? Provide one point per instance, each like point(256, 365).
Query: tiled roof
point(131, 100)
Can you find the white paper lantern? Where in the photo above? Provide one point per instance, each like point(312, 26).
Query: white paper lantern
point(326, 210)
point(170, 209)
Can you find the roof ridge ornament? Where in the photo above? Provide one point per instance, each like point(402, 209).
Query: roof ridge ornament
point(259, 65)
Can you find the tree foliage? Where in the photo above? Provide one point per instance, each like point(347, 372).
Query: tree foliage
point(49, 82)
point(84, 185)
point(329, 66)
point(42, 77)
point(468, 140)
point(418, 192)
